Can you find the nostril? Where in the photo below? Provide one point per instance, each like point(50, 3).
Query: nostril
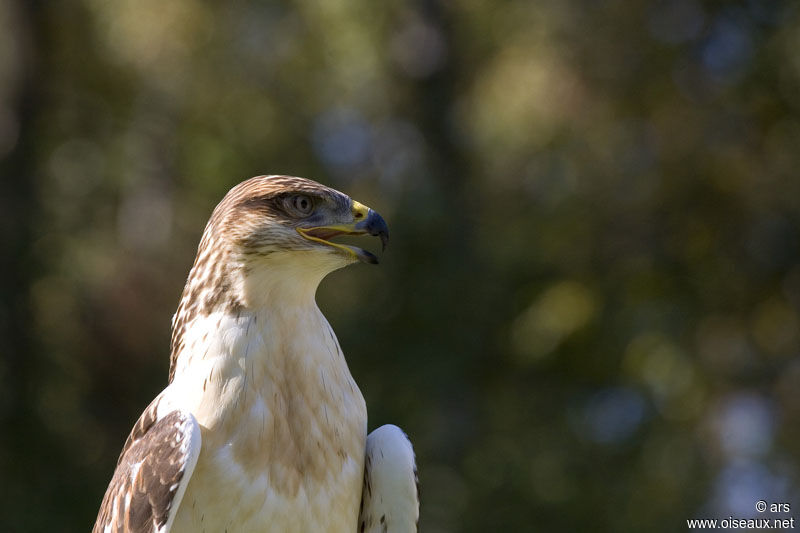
point(359, 215)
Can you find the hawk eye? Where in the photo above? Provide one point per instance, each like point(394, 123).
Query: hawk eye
point(302, 204)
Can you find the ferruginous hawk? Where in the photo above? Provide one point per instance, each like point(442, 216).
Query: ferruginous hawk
point(262, 427)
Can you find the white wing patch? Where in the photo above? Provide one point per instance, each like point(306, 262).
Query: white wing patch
point(390, 497)
point(152, 473)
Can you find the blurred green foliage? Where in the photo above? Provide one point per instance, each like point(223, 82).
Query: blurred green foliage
point(588, 318)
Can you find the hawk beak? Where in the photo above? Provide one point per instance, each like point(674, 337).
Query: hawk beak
point(365, 222)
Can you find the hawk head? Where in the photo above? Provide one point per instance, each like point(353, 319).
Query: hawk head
point(292, 217)
point(271, 237)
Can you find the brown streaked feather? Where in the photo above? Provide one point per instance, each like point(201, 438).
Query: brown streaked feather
point(207, 286)
point(155, 464)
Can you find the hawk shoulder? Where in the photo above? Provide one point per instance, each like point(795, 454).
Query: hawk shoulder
point(152, 473)
point(390, 496)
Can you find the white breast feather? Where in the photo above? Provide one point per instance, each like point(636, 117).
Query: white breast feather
point(284, 436)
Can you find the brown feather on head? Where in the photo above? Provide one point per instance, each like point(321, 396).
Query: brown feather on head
point(264, 226)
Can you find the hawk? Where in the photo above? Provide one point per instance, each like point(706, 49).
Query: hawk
point(262, 427)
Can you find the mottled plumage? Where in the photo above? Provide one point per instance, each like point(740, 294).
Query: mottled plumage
point(149, 479)
point(262, 426)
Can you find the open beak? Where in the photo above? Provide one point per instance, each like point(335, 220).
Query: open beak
point(365, 222)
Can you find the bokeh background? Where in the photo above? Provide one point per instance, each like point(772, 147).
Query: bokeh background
point(588, 318)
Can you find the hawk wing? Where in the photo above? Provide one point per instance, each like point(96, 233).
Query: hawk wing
point(390, 497)
point(151, 475)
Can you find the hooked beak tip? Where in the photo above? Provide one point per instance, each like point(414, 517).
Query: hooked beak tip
point(376, 226)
